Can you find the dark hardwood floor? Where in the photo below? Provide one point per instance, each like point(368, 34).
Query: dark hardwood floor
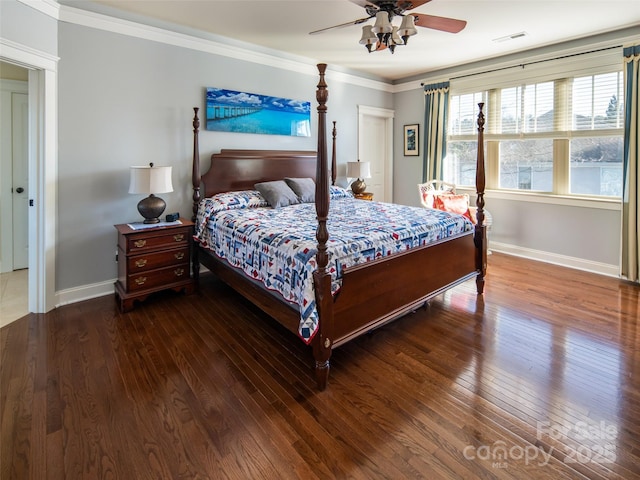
point(538, 379)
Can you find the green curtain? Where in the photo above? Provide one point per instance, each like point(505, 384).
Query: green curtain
point(630, 264)
point(436, 105)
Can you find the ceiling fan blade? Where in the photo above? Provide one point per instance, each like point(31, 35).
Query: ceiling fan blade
point(444, 24)
point(354, 22)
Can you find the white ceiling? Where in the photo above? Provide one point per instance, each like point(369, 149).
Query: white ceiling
point(284, 25)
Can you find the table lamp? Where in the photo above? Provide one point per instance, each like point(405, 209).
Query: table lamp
point(151, 180)
point(358, 170)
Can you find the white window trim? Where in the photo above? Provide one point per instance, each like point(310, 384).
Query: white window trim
point(602, 203)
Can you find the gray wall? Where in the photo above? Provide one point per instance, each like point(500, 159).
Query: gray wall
point(407, 171)
point(125, 101)
point(591, 234)
point(27, 26)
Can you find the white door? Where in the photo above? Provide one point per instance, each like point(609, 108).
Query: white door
point(375, 145)
point(20, 178)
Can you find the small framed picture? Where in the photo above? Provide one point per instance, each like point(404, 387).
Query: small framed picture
point(411, 138)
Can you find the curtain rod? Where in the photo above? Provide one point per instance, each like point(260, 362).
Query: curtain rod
point(522, 65)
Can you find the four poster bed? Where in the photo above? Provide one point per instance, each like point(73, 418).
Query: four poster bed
point(337, 280)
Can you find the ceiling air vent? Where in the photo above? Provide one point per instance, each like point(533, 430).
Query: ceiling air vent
point(513, 36)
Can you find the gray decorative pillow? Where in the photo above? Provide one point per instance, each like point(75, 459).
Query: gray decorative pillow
point(277, 193)
point(304, 188)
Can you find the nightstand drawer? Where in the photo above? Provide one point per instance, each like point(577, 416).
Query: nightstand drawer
point(151, 261)
point(144, 242)
point(160, 277)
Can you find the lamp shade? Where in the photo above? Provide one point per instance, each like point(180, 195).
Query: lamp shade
point(358, 170)
point(408, 26)
point(368, 37)
point(150, 179)
point(382, 25)
point(395, 38)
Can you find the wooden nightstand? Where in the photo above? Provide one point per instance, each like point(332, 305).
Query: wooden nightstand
point(364, 196)
point(153, 259)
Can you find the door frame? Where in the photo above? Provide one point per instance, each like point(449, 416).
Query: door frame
point(388, 116)
point(43, 148)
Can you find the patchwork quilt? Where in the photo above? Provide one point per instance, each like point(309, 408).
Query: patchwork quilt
point(277, 246)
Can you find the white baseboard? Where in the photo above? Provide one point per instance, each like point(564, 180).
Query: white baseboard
point(95, 290)
point(87, 292)
point(556, 259)
point(84, 292)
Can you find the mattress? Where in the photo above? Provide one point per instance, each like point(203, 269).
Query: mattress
point(277, 246)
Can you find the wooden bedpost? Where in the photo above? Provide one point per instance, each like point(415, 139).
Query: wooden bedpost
point(323, 340)
point(195, 181)
point(195, 173)
point(480, 237)
point(334, 165)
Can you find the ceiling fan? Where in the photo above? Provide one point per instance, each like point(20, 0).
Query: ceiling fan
point(383, 34)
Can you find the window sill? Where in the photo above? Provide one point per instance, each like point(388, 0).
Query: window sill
point(603, 203)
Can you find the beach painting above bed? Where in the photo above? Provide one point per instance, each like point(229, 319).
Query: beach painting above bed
point(242, 112)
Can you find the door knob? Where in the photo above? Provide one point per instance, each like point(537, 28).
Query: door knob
point(19, 189)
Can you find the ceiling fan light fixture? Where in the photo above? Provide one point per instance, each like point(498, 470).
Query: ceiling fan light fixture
point(407, 27)
point(368, 39)
point(368, 36)
point(382, 25)
point(395, 38)
point(383, 34)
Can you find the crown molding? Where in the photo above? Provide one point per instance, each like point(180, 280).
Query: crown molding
point(111, 24)
point(50, 8)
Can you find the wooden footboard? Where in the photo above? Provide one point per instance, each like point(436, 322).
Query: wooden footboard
point(399, 283)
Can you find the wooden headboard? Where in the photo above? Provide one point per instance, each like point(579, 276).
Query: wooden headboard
point(232, 170)
point(241, 169)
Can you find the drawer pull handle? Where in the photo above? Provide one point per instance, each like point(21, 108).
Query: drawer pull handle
point(140, 243)
point(140, 280)
point(178, 272)
point(141, 262)
point(179, 237)
point(179, 255)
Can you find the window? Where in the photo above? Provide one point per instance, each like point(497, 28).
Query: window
point(596, 143)
point(526, 164)
point(560, 135)
point(460, 165)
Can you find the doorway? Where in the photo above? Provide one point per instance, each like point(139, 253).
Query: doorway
point(375, 145)
point(42, 160)
point(14, 192)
